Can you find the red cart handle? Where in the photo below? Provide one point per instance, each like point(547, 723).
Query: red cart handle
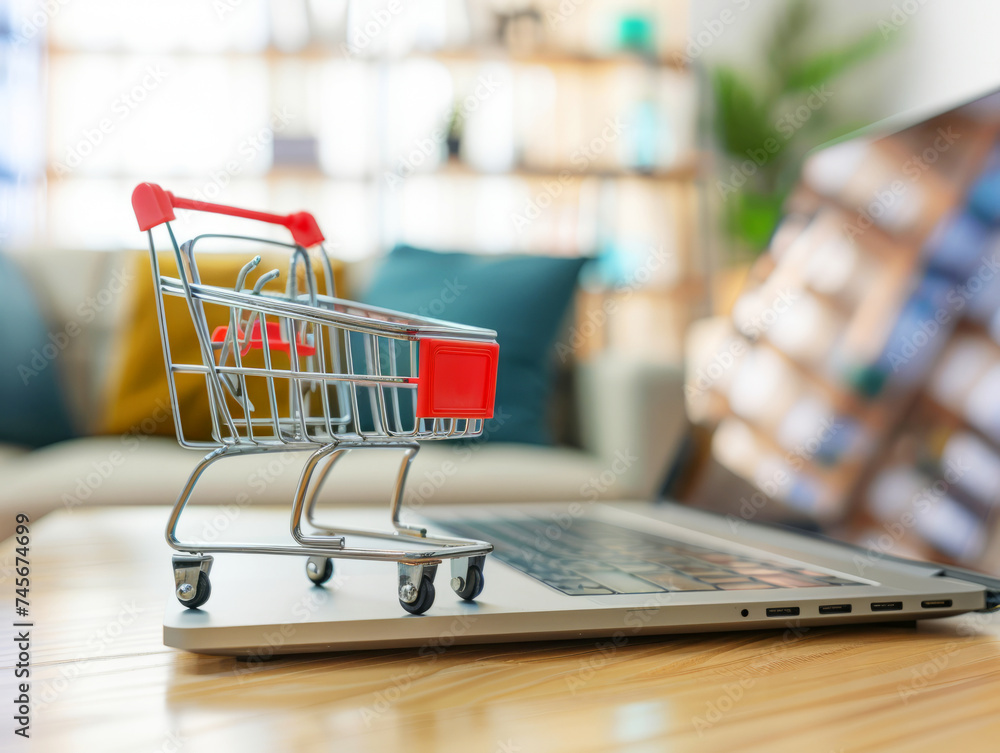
point(153, 206)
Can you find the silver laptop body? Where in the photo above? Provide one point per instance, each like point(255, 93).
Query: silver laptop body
point(612, 571)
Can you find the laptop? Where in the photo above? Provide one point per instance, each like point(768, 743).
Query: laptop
point(573, 570)
point(570, 571)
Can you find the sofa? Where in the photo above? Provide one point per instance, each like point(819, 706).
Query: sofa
point(619, 424)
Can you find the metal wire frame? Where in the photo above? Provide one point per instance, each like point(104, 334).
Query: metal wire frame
point(326, 323)
point(332, 542)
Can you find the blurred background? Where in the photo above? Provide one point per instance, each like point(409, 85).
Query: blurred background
point(662, 143)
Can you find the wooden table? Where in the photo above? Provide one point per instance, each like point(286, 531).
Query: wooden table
point(103, 681)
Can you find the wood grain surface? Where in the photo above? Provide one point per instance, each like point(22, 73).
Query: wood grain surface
point(103, 681)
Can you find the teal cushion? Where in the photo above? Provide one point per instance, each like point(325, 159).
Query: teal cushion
point(32, 409)
point(523, 298)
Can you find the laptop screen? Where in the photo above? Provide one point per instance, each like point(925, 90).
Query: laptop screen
point(855, 385)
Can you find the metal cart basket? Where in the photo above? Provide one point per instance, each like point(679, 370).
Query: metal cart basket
point(335, 376)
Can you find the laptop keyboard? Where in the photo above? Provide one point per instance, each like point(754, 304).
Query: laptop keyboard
point(586, 557)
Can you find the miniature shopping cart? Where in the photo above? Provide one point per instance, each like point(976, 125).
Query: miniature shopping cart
point(308, 371)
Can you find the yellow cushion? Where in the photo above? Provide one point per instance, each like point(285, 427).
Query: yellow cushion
point(138, 402)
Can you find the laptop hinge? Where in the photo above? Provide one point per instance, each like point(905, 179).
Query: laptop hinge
point(992, 584)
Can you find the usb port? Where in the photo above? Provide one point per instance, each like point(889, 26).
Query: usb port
point(782, 611)
point(886, 606)
point(936, 603)
point(835, 609)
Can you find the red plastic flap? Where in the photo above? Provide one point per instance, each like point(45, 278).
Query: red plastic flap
point(458, 379)
point(274, 339)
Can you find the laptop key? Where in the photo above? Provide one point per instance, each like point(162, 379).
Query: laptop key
point(571, 579)
point(645, 567)
point(790, 581)
point(748, 586)
point(675, 582)
point(583, 590)
point(622, 582)
point(630, 564)
point(623, 560)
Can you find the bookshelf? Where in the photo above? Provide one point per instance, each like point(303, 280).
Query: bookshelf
point(892, 338)
point(492, 127)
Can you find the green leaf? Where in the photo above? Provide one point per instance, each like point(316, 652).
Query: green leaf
point(791, 26)
point(752, 116)
point(832, 63)
point(756, 217)
point(742, 122)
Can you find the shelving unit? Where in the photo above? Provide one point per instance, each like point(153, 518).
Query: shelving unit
point(22, 117)
point(535, 141)
point(910, 421)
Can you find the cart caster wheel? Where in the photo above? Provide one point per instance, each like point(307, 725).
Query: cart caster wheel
point(424, 597)
point(472, 585)
point(319, 569)
point(201, 595)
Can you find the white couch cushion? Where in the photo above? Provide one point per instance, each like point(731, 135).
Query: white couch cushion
point(152, 470)
point(10, 453)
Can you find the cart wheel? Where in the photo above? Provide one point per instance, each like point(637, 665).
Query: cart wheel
point(425, 597)
point(473, 584)
point(202, 593)
point(319, 569)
